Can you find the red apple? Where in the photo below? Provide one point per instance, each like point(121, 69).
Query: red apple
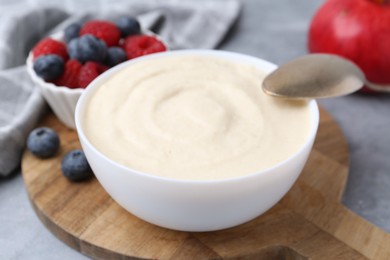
point(358, 30)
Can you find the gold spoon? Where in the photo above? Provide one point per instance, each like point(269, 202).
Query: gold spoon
point(314, 76)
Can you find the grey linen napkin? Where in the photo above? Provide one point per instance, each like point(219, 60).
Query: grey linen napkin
point(182, 24)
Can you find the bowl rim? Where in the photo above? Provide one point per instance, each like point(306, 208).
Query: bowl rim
point(268, 66)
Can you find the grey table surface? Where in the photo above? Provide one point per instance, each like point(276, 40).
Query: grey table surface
point(275, 31)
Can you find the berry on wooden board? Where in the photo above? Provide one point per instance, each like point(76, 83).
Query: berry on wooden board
point(43, 142)
point(75, 166)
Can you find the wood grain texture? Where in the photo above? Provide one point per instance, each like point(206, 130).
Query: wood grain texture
point(308, 223)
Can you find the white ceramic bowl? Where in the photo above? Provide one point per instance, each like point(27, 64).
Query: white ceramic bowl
point(61, 99)
point(193, 205)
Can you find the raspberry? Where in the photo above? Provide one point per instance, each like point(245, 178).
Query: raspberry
point(104, 30)
point(139, 45)
point(50, 46)
point(89, 72)
point(70, 77)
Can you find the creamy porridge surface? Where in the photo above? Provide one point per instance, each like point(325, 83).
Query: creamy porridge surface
point(194, 118)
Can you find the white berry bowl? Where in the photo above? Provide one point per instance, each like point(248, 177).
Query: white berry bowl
point(193, 205)
point(61, 99)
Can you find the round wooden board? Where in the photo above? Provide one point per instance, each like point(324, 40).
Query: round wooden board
point(309, 222)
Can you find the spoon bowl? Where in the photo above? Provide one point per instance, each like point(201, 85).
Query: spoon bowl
point(314, 76)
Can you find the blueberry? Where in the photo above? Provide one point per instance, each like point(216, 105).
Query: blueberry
point(128, 26)
point(87, 48)
point(75, 166)
point(115, 55)
point(72, 31)
point(49, 67)
point(43, 142)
